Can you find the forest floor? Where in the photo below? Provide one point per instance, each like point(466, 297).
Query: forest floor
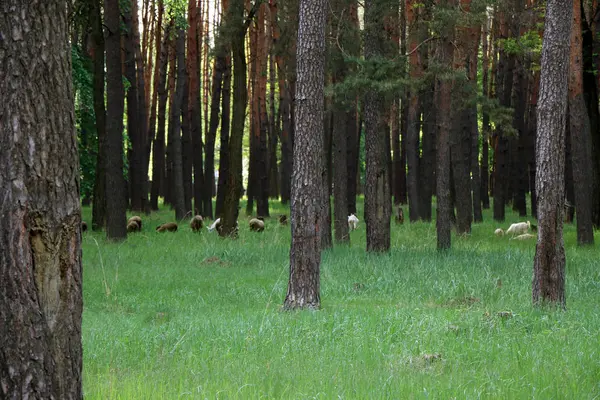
point(183, 315)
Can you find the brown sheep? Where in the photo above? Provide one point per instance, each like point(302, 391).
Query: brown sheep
point(132, 226)
point(169, 226)
point(399, 215)
point(256, 225)
point(283, 219)
point(83, 226)
point(136, 219)
point(196, 223)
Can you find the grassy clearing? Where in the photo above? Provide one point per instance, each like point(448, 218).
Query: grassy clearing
point(184, 315)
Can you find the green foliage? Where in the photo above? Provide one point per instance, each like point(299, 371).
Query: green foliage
point(184, 315)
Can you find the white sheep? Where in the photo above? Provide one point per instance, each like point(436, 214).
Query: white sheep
point(525, 236)
point(352, 222)
point(499, 232)
point(518, 228)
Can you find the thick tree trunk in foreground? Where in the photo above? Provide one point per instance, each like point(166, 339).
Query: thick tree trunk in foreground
point(581, 143)
point(116, 196)
point(305, 253)
point(40, 236)
point(549, 263)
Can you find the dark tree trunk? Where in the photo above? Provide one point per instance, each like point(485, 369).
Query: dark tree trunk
point(176, 182)
point(519, 161)
point(486, 127)
point(40, 236)
point(286, 141)
point(116, 197)
point(209, 149)
point(399, 131)
point(460, 158)
point(224, 143)
point(326, 237)
point(591, 99)
point(445, 55)
point(233, 185)
point(305, 253)
point(99, 202)
point(262, 167)
point(135, 126)
point(427, 164)
point(353, 129)
point(158, 158)
point(273, 132)
point(340, 170)
point(187, 154)
point(580, 135)
point(377, 188)
point(549, 263)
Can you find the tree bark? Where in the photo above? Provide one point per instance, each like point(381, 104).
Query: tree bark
point(445, 55)
point(549, 264)
point(177, 189)
point(40, 236)
point(116, 197)
point(377, 188)
point(99, 202)
point(580, 135)
point(224, 143)
point(305, 253)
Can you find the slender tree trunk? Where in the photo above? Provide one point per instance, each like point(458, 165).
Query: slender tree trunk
point(40, 236)
point(580, 135)
point(233, 187)
point(116, 197)
point(262, 193)
point(99, 202)
point(445, 55)
point(177, 189)
point(305, 253)
point(224, 144)
point(549, 263)
point(377, 189)
point(209, 149)
point(158, 158)
point(486, 127)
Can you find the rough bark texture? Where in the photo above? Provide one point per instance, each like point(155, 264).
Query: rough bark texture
point(40, 236)
point(580, 135)
point(486, 127)
point(116, 197)
point(99, 202)
point(377, 188)
point(224, 144)
point(549, 263)
point(445, 54)
point(305, 253)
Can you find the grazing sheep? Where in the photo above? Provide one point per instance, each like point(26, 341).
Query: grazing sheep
point(525, 236)
point(132, 226)
point(216, 224)
point(169, 226)
point(196, 223)
point(352, 222)
point(136, 219)
point(283, 219)
point(399, 215)
point(518, 228)
point(256, 225)
point(83, 226)
point(499, 232)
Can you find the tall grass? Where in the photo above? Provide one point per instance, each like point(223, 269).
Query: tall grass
point(184, 315)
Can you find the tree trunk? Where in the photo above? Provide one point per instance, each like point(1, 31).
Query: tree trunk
point(224, 144)
point(549, 263)
point(580, 135)
point(158, 158)
point(305, 253)
point(209, 149)
point(377, 189)
point(262, 168)
point(116, 197)
point(233, 188)
point(99, 202)
point(445, 55)
point(177, 189)
point(486, 127)
point(413, 122)
point(40, 236)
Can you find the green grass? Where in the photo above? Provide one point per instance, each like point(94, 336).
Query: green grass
point(184, 315)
